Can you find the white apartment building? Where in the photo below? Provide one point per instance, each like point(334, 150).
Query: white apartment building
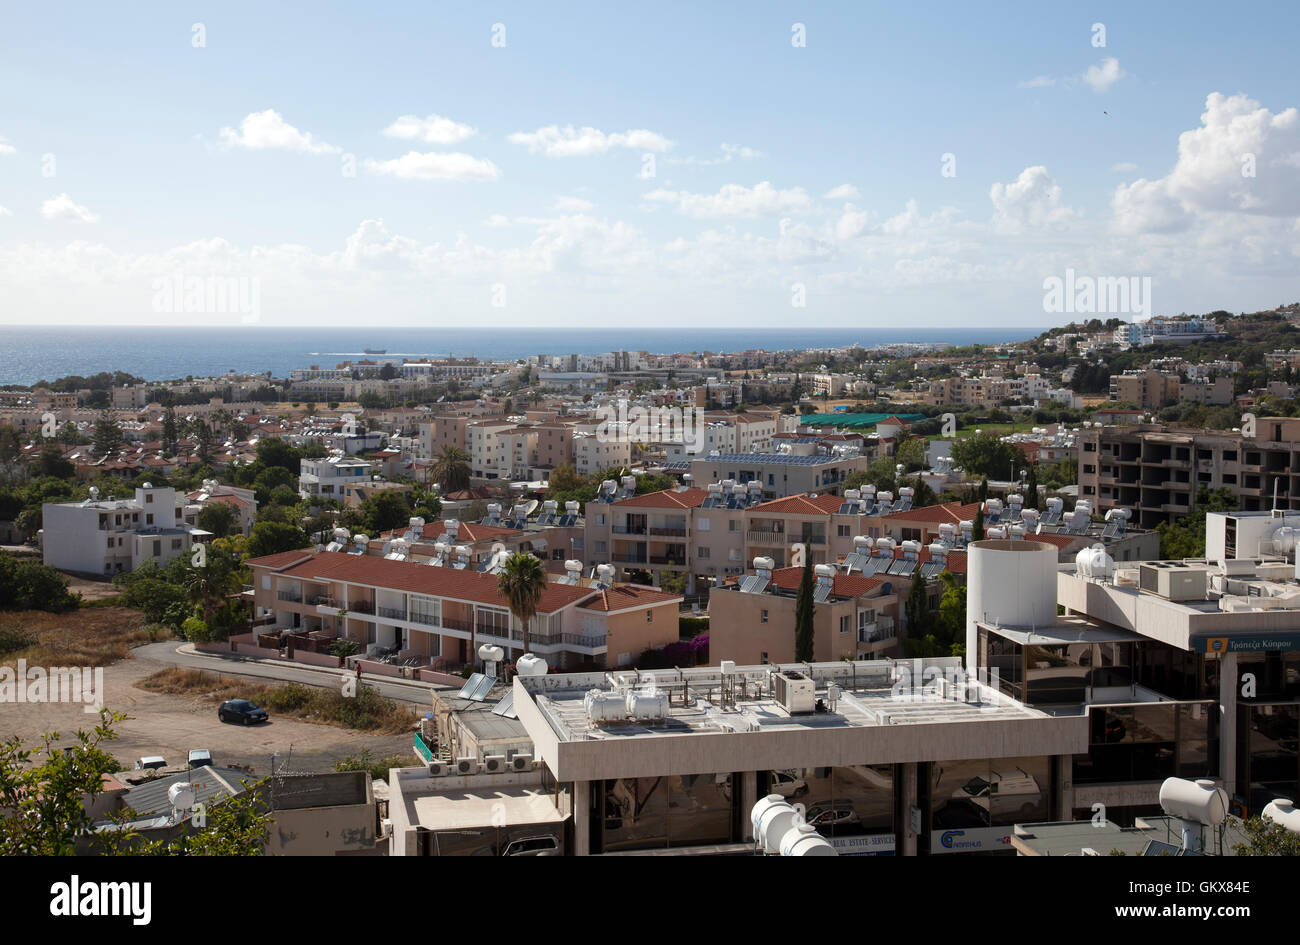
point(111, 536)
point(592, 453)
point(484, 451)
point(329, 475)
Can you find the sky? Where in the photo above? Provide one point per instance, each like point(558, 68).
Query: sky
point(571, 164)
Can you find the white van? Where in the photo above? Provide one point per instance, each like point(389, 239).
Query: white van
point(1003, 792)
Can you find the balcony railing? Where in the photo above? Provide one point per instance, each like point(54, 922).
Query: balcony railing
point(629, 529)
point(292, 596)
point(361, 606)
point(669, 531)
point(393, 613)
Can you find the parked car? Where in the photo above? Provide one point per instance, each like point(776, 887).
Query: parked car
point(150, 763)
point(825, 816)
point(546, 845)
point(1003, 792)
point(200, 758)
point(788, 784)
point(241, 710)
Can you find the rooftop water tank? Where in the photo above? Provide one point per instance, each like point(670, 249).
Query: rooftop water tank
point(530, 665)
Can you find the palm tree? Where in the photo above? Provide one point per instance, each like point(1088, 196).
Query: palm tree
point(451, 469)
point(521, 583)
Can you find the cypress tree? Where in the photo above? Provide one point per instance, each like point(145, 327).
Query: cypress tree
point(803, 616)
point(977, 533)
point(1031, 488)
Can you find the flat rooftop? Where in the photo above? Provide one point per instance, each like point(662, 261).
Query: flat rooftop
point(1163, 835)
point(872, 693)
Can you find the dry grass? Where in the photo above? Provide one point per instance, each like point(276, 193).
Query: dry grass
point(95, 636)
point(367, 711)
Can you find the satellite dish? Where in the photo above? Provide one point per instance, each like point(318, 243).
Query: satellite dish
point(530, 507)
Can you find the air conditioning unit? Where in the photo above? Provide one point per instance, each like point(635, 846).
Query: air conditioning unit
point(521, 762)
point(494, 764)
point(438, 769)
point(467, 766)
point(795, 691)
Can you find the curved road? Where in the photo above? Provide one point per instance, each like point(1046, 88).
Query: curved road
point(183, 654)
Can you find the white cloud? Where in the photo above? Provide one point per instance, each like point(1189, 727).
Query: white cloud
point(433, 165)
point(497, 221)
point(6, 148)
point(736, 200)
point(730, 152)
point(1037, 82)
point(842, 192)
point(1102, 76)
point(63, 207)
point(1238, 138)
point(1124, 167)
point(851, 222)
point(1032, 200)
point(565, 204)
point(266, 131)
point(554, 141)
point(6, 212)
point(433, 129)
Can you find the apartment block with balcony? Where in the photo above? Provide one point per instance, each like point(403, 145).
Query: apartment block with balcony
point(1157, 471)
point(328, 476)
point(112, 536)
point(440, 615)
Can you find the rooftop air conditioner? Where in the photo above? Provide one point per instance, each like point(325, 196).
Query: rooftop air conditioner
point(467, 766)
point(438, 769)
point(494, 764)
point(521, 762)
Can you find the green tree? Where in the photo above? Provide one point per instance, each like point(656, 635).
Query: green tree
point(170, 431)
point(30, 585)
point(108, 435)
point(1031, 487)
point(521, 583)
point(384, 511)
point(985, 455)
point(451, 469)
point(218, 518)
point(269, 538)
point(804, 641)
point(1266, 838)
point(977, 533)
point(917, 608)
point(52, 463)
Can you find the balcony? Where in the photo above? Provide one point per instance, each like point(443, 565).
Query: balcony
point(629, 559)
point(678, 561)
point(667, 531)
point(764, 537)
point(629, 529)
point(393, 613)
point(292, 597)
point(361, 606)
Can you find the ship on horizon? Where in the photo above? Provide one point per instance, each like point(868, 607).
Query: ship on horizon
point(375, 351)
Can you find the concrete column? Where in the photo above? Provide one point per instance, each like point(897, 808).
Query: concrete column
point(1228, 721)
point(748, 798)
point(581, 818)
point(908, 789)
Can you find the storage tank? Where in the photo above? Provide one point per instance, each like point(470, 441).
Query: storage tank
point(604, 706)
point(804, 840)
point(1282, 811)
point(772, 818)
point(647, 704)
point(530, 665)
point(1011, 583)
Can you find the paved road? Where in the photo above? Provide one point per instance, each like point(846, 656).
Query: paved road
point(183, 654)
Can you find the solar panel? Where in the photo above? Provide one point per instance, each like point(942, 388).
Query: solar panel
point(1110, 531)
point(902, 505)
point(1080, 524)
point(480, 691)
point(1160, 848)
point(821, 593)
point(470, 685)
point(753, 584)
point(903, 567)
point(848, 508)
point(1051, 517)
point(506, 707)
point(855, 562)
point(546, 518)
point(991, 518)
point(567, 521)
point(931, 569)
point(872, 565)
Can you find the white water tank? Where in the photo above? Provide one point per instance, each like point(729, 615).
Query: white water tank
point(764, 564)
point(1198, 801)
point(824, 570)
point(490, 653)
point(181, 796)
point(1282, 811)
point(647, 704)
point(605, 706)
point(530, 665)
point(771, 818)
point(804, 840)
point(1008, 583)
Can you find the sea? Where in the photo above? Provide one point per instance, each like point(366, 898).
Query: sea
point(29, 354)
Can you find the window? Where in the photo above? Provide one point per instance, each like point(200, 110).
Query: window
point(846, 624)
point(762, 658)
point(148, 497)
point(764, 617)
point(148, 519)
point(842, 531)
point(702, 553)
point(649, 616)
point(702, 524)
point(733, 525)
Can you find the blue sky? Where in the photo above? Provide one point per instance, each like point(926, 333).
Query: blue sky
point(775, 166)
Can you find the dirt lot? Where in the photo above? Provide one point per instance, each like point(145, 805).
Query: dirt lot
point(170, 725)
point(92, 590)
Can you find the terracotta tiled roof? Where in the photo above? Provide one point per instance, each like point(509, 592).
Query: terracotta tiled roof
point(952, 512)
point(415, 578)
point(667, 499)
point(845, 585)
point(802, 504)
point(467, 534)
point(623, 596)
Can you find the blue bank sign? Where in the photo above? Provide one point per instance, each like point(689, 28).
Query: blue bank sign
point(1248, 642)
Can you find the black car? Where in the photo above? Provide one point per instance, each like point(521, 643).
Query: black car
point(241, 710)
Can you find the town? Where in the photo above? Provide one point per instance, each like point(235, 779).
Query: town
point(1066, 566)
